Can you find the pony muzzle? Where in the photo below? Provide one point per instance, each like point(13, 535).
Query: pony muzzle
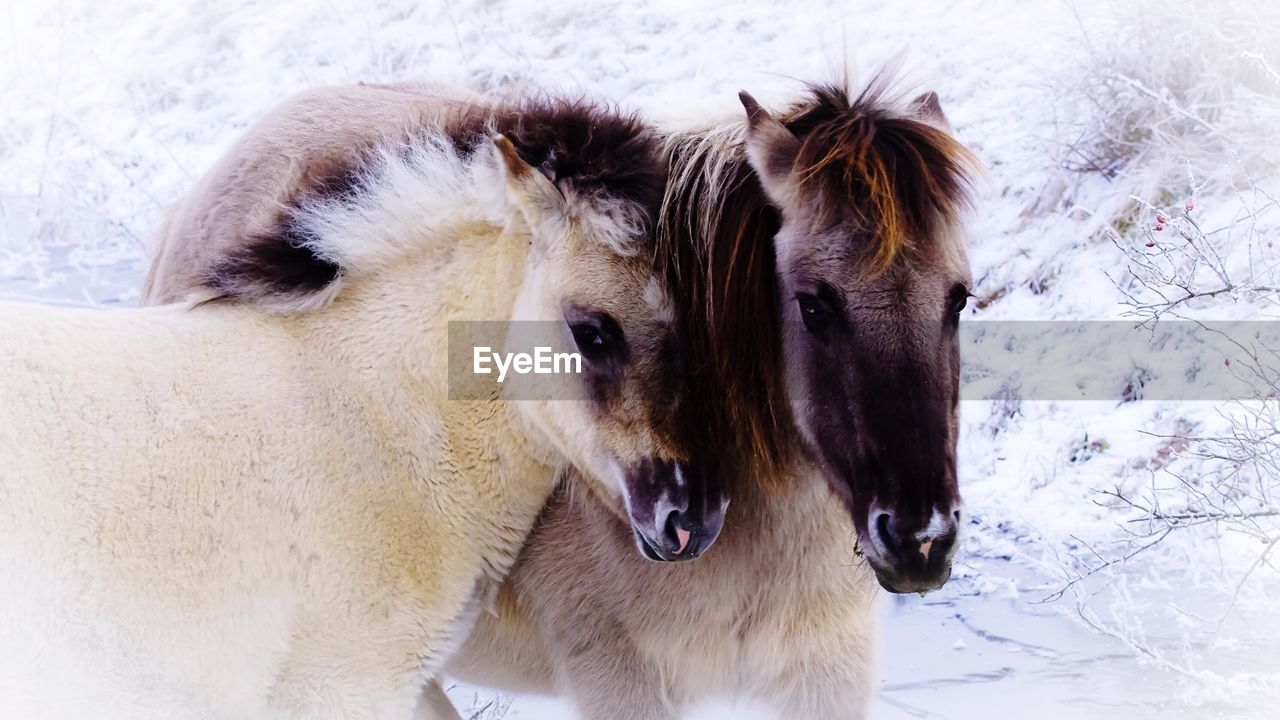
point(912, 554)
point(675, 514)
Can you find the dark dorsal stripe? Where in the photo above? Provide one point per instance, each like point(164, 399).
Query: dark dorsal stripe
point(603, 155)
point(282, 261)
point(276, 264)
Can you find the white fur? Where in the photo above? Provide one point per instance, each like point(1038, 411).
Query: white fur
point(659, 301)
point(212, 512)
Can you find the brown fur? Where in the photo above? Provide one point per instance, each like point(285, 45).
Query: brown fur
point(897, 176)
point(871, 282)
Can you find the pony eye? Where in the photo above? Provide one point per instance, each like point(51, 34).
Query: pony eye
point(813, 311)
point(589, 339)
point(957, 301)
point(597, 335)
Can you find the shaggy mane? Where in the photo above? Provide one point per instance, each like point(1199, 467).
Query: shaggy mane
point(715, 245)
point(901, 178)
point(606, 162)
point(587, 148)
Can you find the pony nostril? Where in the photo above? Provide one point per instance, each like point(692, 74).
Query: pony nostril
point(885, 533)
point(676, 536)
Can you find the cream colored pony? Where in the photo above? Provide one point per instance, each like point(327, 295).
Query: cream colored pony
point(209, 510)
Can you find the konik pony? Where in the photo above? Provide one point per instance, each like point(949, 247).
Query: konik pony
point(261, 503)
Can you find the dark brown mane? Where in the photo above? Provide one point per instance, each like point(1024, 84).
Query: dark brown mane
point(867, 161)
point(716, 246)
point(864, 160)
point(591, 147)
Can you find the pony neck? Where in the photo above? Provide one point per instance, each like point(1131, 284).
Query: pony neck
point(384, 338)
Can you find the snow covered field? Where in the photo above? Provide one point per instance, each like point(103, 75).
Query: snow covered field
point(111, 110)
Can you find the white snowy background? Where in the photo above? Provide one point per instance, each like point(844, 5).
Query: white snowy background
point(110, 110)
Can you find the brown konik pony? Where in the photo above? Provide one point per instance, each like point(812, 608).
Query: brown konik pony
point(820, 273)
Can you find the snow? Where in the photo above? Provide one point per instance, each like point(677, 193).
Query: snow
point(111, 110)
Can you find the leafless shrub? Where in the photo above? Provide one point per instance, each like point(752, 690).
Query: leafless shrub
point(486, 707)
point(1175, 266)
point(1216, 485)
point(1183, 99)
point(1229, 480)
point(1168, 86)
point(1178, 109)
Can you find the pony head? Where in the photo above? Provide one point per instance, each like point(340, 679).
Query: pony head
point(871, 280)
point(576, 185)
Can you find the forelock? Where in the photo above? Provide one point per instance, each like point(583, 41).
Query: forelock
point(867, 159)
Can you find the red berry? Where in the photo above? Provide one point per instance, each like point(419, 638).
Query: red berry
point(1191, 205)
point(1227, 362)
point(1151, 243)
point(1161, 219)
point(1159, 228)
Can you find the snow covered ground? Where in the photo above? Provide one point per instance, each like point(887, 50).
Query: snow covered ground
point(111, 110)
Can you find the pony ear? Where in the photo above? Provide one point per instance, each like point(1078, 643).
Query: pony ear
point(539, 200)
point(928, 108)
point(771, 150)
